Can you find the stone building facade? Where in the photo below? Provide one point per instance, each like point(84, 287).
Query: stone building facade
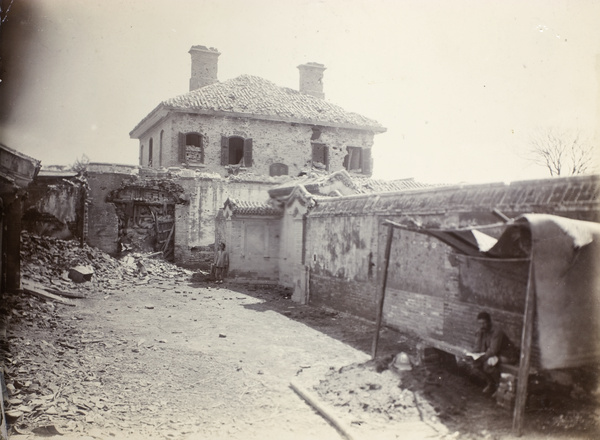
point(249, 124)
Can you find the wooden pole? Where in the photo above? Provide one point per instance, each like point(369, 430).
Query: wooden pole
point(526, 340)
point(325, 410)
point(386, 263)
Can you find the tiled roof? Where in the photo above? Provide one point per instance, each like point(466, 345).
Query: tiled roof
point(355, 184)
point(368, 185)
point(242, 207)
point(255, 96)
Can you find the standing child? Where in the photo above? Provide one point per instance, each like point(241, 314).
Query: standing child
point(221, 263)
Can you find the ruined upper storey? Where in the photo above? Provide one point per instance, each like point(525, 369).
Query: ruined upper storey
point(249, 124)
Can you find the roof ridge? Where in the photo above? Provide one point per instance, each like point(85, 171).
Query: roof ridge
point(257, 96)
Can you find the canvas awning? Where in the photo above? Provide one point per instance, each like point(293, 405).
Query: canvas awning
point(565, 257)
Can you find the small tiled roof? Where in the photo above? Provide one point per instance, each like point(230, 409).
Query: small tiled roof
point(355, 184)
point(255, 96)
point(368, 185)
point(242, 207)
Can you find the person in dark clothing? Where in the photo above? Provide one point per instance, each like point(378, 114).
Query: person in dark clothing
point(492, 349)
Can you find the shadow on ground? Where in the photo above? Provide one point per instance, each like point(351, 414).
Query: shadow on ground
point(355, 332)
point(551, 413)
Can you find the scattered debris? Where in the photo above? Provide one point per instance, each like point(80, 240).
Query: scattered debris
point(66, 266)
point(37, 291)
point(80, 274)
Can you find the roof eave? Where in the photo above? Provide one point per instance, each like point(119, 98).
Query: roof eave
point(311, 122)
point(154, 117)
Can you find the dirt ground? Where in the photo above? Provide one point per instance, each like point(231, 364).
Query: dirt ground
point(159, 356)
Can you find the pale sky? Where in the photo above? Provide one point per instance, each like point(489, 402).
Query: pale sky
point(460, 85)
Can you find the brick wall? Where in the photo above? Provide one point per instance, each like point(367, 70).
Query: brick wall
point(54, 208)
point(356, 298)
point(432, 291)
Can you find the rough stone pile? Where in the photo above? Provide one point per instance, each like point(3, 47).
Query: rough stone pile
point(49, 261)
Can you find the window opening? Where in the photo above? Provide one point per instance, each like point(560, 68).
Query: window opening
point(320, 156)
point(194, 153)
point(150, 153)
point(278, 169)
point(160, 148)
point(236, 150)
point(353, 160)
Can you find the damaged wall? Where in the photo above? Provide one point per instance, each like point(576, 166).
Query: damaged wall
point(253, 245)
point(195, 222)
point(55, 206)
point(431, 290)
point(272, 142)
point(340, 254)
point(103, 221)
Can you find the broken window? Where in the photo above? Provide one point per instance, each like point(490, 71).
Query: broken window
point(358, 160)
point(278, 169)
point(320, 156)
point(191, 150)
point(353, 160)
point(236, 150)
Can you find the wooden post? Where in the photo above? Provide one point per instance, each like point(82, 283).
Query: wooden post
point(386, 262)
point(526, 340)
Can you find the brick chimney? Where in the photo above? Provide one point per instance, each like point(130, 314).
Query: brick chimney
point(311, 79)
point(204, 66)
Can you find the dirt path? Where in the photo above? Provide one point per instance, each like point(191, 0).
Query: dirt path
point(174, 361)
point(160, 357)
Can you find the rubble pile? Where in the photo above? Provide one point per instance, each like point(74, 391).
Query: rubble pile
point(366, 396)
point(37, 389)
point(58, 375)
point(47, 259)
point(65, 265)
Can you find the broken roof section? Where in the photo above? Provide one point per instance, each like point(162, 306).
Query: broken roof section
point(254, 97)
point(342, 183)
point(17, 168)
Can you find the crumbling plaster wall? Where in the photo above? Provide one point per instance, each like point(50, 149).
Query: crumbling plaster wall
point(102, 222)
point(54, 207)
point(340, 251)
point(273, 142)
point(253, 245)
point(432, 290)
point(195, 222)
point(291, 245)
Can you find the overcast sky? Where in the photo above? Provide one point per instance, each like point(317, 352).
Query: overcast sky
point(460, 85)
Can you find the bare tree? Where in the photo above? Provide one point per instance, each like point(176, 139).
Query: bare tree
point(81, 163)
point(562, 152)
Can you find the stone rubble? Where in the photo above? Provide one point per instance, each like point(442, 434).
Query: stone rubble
point(34, 363)
point(51, 261)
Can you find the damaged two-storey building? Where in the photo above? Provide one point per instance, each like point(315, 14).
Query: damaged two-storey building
point(239, 138)
point(249, 124)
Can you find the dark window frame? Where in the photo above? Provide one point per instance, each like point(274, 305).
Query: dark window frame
point(320, 154)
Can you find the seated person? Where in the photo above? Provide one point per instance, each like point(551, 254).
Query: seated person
point(492, 349)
